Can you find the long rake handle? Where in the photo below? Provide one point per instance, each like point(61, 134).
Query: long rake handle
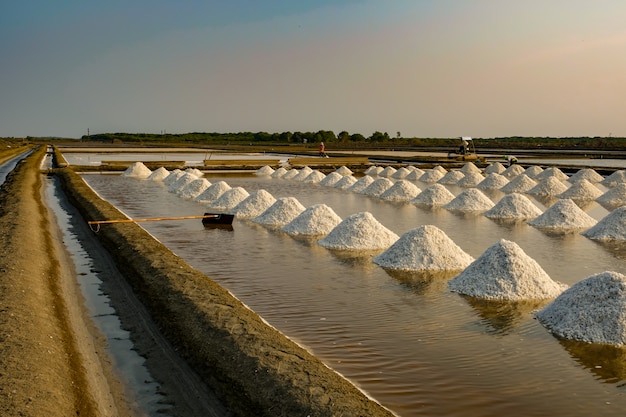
point(152, 219)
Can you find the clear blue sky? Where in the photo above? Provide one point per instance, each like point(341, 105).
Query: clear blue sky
point(425, 68)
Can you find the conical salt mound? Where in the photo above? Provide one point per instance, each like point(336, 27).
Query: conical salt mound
point(361, 231)
point(284, 210)
point(552, 172)
point(611, 227)
point(520, 184)
point(331, 179)
point(345, 183)
point(378, 187)
point(440, 169)
point(344, 170)
point(615, 197)
point(426, 248)
point(401, 190)
point(435, 195)
point(174, 176)
point(533, 170)
point(361, 184)
point(316, 220)
point(470, 167)
point(387, 172)
point(592, 310)
point(302, 174)
point(185, 179)
point(374, 170)
point(548, 187)
point(513, 171)
point(213, 192)
point(159, 174)
point(470, 200)
point(496, 167)
point(194, 188)
point(431, 176)
point(255, 204)
point(229, 199)
point(492, 182)
point(505, 272)
point(581, 190)
point(314, 177)
point(563, 215)
point(470, 180)
point(137, 170)
point(588, 174)
point(291, 174)
point(401, 173)
point(414, 175)
point(279, 173)
point(452, 177)
point(264, 171)
point(513, 206)
point(195, 171)
point(618, 177)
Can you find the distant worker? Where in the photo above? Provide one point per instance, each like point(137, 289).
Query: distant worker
point(510, 159)
point(322, 150)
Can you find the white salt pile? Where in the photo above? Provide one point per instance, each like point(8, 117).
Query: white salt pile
point(345, 183)
point(387, 172)
point(614, 197)
point(469, 167)
point(592, 310)
point(563, 215)
point(496, 167)
point(452, 177)
point(441, 169)
point(314, 177)
point(290, 174)
point(194, 188)
point(185, 179)
point(302, 174)
point(401, 190)
point(195, 171)
point(316, 220)
point(265, 171)
point(401, 173)
point(343, 170)
point(255, 204)
point(159, 174)
point(520, 184)
point(361, 184)
point(213, 192)
point(611, 227)
point(513, 206)
point(284, 210)
point(548, 187)
point(279, 173)
point(513, 171)
point(373, 170)
point(505, 272)
point(361, 231)
point(414, 175)
point(426, 248)
point(470, 180)
point(431, 176)
point(588, 174)
point(492, 181)
point(174, 176)
point(378, 187)
point(552, 172)
point(435, 195)
point(137, 170)
point(581, 190)
point(331, 179)
point(533, 170)
point(618, 177)
point(470, 200)
point(229, 199)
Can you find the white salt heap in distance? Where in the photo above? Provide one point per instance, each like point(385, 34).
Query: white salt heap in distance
point(360, 231)
point(174, 175)
point(470, 180)
point(563, 215)
point(618, 177)
point(137, 170)
point(581, 190)
point(195, 171)
point(194, 188)
point(614, 197)
point(592, 310)
point(431, 176)
point(185, 179)
point(552, 172)
point(279, 173)
point(513, 206)
point(314, 177)
point(548, 187)
point(513, 171)
point(401, 173)
point(345, 183)
point(343, 170)
point(159, 174)
point(361, 184)
point(426, 248)
point(316, 220)
point(533, 170)
point(255, 204)
point(378, 187)
point(284, 210)
point(452, 177)
point(387, 172)
point(520, 184)
point(401, 190)
point(496, 167)
point(414, 175)
point(470, 200)
point(302, 174)
point(611, 227)
point(290, 174)
point(505, 272)
point(229, 199)
point(492, 181)
point(470, 167)
point(435, 195)
point(331, 179)
point(586, 173)
point(265, 171)
point(374, 170)
point(213, 192)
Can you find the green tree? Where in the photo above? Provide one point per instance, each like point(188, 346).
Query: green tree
point(343, 136)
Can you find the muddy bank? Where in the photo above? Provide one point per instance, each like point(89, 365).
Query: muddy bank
point(254, 368)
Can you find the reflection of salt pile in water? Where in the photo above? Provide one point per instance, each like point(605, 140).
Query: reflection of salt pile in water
point(137, 170)
point(563, 215)
point(548, 187)
point(426, 248)
point(229, 199)
point(316, 220)
point(414, 175)
point(159, 174)
point(194, 188)
point(401, 190)
point(513, 206)
point(345, 183)
point(470, 180)
point(586, 173)
point(255, 204)
point(520, 184)
point(361, 184)
point(279, 173)
point(513, 171)
point(264, 171)
point(314, 177)
point(185, 179)
point(361, 231)
point(615, 197)
point(387, 172)
point(373, 170)
point(496, 167)
point(431, 176)
point(618, 177)
point(331, 179)
point(452, 177)
point(552, 172)
point(284, 210)
point(592, 310)
point(343, 170)
point(611, 227)
point(302, 174)
point(435, 195)
point(492, 181)
point(213, 192)
point(470, 200)
point(505, 272)
point(581, 190)
point(401, 173)
point(378, 187)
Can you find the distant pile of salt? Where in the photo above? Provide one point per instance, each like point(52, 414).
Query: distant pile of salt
point(581, 190)
point(361, 184)
point(284, 210)
point(194, 188)
point(185, 179)
point(470, 167)
point(229, 199)
point(520, 184)
point(159, 174)
point(496, 167)
point(401, 173)
point(265, 171)
point(505, 272)
point(492, 181)
point(513, 171)
point(314, 177)
point(548, 187)
point(592, 310)
point(470, 200)
point(174, 175)
point(441, 169)
point(513, 206)
point(255, 204)
point(378, 187)
point(345, 183)
point(414, 175)
point(373, 170)
point(426, 248)
point(279, 173)
point(213, 192)
point(195, 171)
point(533, 170)
point(331, 179)
point(552, 172)
point(360, 231)
point(387, 172)
point(563, 215)
point(615, 197)
point(452, 177)
point(435, 195)
point(431, 176)
point(611, 227)
point(586, 173)
point(618, 177)
point(291, 174)
point(316, 220)
point(137, 170)
point(470, 180)
point(343, 170)
point(302, 174)
point(401, 190)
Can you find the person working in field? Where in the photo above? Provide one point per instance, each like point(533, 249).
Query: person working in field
point(322, 150)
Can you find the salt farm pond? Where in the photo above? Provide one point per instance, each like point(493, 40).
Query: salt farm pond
point(404, 338)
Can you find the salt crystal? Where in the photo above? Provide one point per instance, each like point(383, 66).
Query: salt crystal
point(401, 190)
point(431, 176)
point(552, 172)
point(284, 210)
point(159, 174)
point(520, 184)
point(213, 192)
point(255, 204)
point(361, 184)
point(426, 248)
point(496, 167)
point(492, 181)
point(387, 172)
point(194, 188)
point(266, 170)
point(470, 180)
point(470, 200)
point(137, 170)
point(343, 170)
point(592, 310)
point(513, 206)
point(611, 227)
point(279, 173)
point(331, 179)
point(548, 187)
point(452, 177)
point(316, 220)
point(401, 173)
point(617, 177)
point(435, 195)
point(586, 173)
point(345, 183)
point(314, 177)
point(614, 197)
point(378, 187)
point(360, 231)
point(581, 190)
point(505, 272)
point(563, 215)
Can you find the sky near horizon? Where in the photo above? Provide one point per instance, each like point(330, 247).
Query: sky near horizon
point(424, 68)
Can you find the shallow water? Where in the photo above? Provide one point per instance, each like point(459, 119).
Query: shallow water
point(404, 338)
